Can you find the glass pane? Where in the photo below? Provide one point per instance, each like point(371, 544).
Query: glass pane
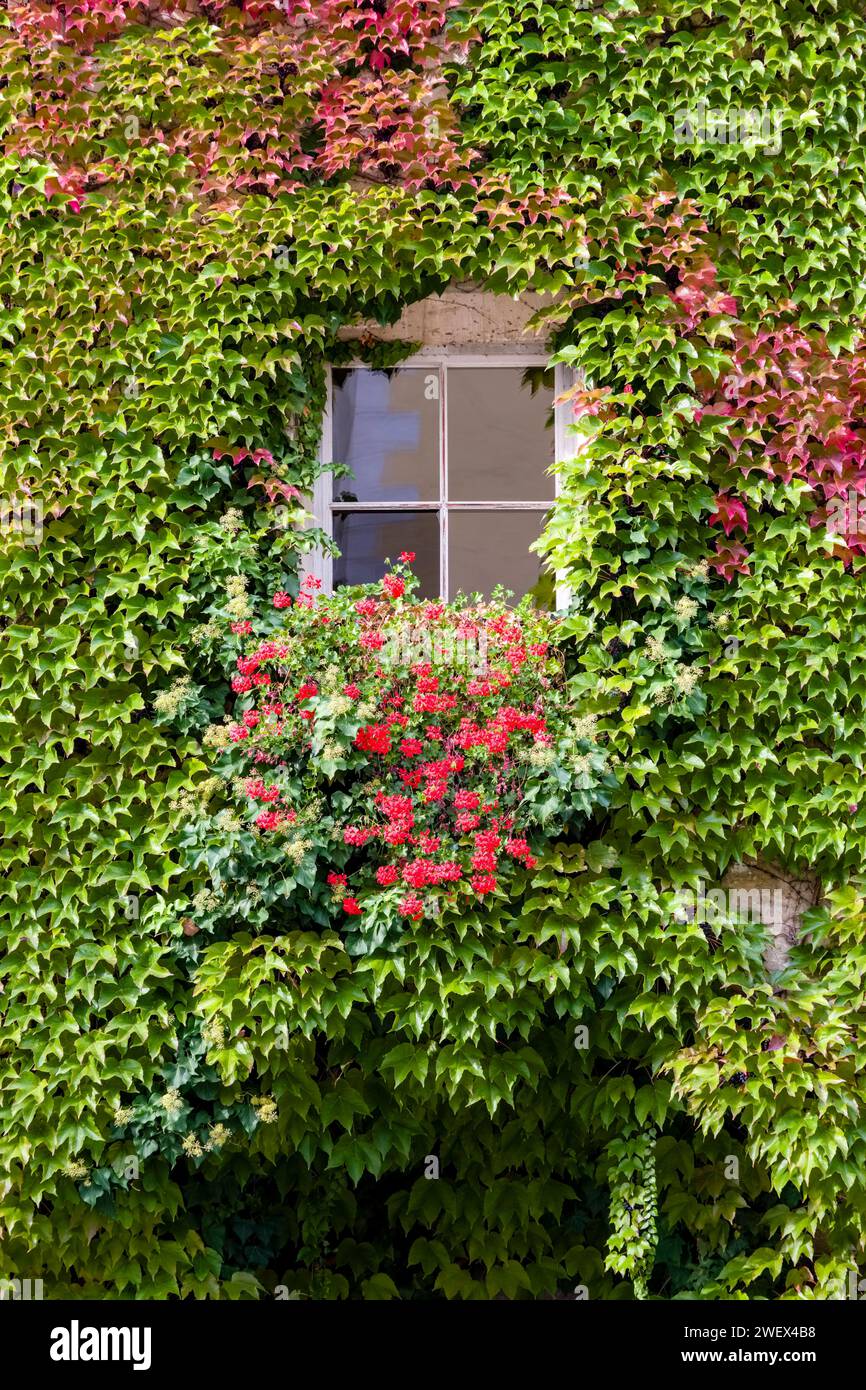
point(490, 548)
point(500, 435)
point(386, 428)
point(366, 539)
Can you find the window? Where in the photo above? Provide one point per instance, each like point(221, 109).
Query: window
point(449, 457)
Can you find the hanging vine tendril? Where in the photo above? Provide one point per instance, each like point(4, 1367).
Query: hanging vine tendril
point(633, 1208)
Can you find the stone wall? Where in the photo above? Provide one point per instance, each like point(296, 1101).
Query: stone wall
point(462, 318)
point(786, 896)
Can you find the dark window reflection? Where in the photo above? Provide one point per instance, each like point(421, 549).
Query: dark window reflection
point(500, 435)
point(490, 548)
point(386, 428)
point(366, 539)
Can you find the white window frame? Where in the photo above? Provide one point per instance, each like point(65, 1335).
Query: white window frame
point(320, 565)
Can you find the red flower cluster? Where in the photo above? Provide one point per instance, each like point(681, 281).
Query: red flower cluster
point(394, 585)
point(518, 848)
point(373, 738)
point(357, 835)
point(467, 801)
point(411, 906)
point(256, 788)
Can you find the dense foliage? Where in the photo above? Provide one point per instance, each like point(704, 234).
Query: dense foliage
point(217, 1098)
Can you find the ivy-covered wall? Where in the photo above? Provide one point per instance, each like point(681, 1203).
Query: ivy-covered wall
point(193, 204)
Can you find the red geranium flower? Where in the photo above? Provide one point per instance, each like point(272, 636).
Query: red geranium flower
point(357, 835)
point(373, 738)
point(396, 834)
point(484, 883)
point(467, 801)
point(394, 585)
point(417, 873)
point(412, 906)
point(449, 872)
point(483, 862)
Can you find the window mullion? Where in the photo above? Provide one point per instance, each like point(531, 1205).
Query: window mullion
point(443, 482)
point(318, 563)
point(564, 379)
point(386, 506)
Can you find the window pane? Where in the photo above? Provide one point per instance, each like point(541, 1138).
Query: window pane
point(490, 548)
point(500, 435)
point(387, 430)
point(366, 539)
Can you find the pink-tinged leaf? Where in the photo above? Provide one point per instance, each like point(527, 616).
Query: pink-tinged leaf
point(731, 512)
point(274, 488)
point(730, 560)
